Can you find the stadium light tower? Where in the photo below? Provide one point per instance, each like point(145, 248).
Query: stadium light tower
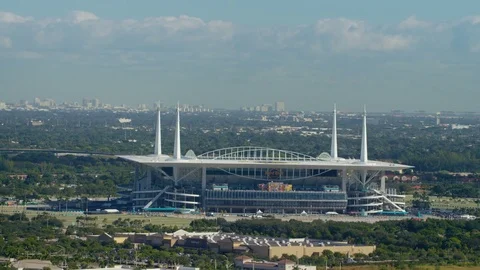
point(364, 150)
point(158, 133)
point(177, 150)
point(333, 152)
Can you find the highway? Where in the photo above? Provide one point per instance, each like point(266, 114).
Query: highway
point(55, 151)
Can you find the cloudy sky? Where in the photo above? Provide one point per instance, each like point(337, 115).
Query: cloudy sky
point(386, 54)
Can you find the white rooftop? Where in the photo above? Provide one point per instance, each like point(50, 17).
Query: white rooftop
point(167, 161)
point(261, 157)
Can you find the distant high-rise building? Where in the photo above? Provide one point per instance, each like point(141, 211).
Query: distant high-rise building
point(279, 106)
point(91, 103)
point(47, 103)
point(86, 103)
point(438, 119)
point(95, 102)
point(266, 108)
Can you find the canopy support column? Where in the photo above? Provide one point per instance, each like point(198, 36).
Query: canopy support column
point(204, 185)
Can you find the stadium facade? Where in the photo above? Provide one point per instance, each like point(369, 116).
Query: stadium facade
point(248, 179)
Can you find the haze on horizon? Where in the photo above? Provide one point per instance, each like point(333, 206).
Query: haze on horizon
point(226, 54)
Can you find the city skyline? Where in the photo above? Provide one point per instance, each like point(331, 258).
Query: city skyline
point(88, 103)
point(227, 54)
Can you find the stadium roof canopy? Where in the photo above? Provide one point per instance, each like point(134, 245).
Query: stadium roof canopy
point(261, 157)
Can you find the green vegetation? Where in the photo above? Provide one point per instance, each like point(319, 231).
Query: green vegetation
point(63, 177)
point(439, 202)
point(456, 190)
point(420, 242)
point(42, 237)
point(421, 201)
point(404, 139)
point(406, 244)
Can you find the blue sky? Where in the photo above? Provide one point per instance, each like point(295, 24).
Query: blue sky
point(266, 12)
point(388, 54)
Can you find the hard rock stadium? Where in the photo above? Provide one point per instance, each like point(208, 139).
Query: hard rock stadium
point(248, 179)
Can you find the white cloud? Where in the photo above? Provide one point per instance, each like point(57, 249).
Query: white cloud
point(183, 30)
point(392, 42)
point(175, 24)
point(413, 23)
point(48, 38)
point(471, 19)
point(344, 34)
point(5, 42)
point(102, 28)
point(79, 16)
point(225, 29)
point(8, 17)
point(85, 32)
point(178, 25)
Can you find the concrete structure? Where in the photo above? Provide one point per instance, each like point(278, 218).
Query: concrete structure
point(96, 103)
point(279, 106)
point(185, 182)
point(268, 247)
point(44, 103)
point(334, 150)
point(245, 262)
point(152, 239)
point(158, 132)
point(312, 250)
point(264, 247)
point(34, 265)
point(131, 267)
point(91, 103)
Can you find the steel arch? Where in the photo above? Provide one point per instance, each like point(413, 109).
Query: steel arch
point(263, 154)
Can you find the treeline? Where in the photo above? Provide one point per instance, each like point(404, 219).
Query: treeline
point(456, 190)
point(438, 160)
point(64, 176)
point(17, 226)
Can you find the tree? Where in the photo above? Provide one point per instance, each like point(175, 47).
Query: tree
point(421, 201)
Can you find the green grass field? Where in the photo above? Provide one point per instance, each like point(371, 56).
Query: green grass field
point(69, 218)
point(447, 202)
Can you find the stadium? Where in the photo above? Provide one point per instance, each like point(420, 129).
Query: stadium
point(248, 179)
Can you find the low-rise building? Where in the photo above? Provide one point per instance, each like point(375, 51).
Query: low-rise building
point(34, 265)
point(245, 262)
point(130, 267)
point(153, 239)
point(21, 177)
point(264, 247)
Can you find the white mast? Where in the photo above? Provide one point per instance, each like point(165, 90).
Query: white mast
point(176, 151)
point(364, 151)
point(158, 133)
point(333, 152)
